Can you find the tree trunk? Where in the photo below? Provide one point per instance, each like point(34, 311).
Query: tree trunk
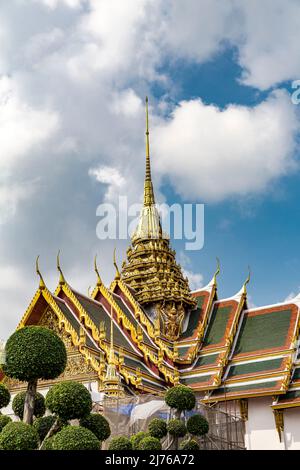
point(52, 430)
point(29, 402)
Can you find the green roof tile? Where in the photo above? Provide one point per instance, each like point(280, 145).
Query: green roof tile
point(217, 325)
point(252, 367)
point(206, 360)
point(264, 331)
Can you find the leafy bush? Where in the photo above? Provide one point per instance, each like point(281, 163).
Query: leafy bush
point(157, 428)
point(75, 438)
point(4, 396)
point(19, 402)
point(69, 400)
point(197, 425)
point(47, 444)
point(18, 436)
point(176, 428)
point(98, 425)
point(136, 439)
point(189, 445)
point(149, 443)
point(181, 398)
point(43, 425)
point(34, 352)
point(120, 443)
point(4, 420)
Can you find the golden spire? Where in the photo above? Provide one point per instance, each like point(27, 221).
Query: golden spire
point(117, 276)
point(247, 281)
point(42, 283)
point(99, 281)
point(111, 351)
point(217, 271)
point(148, 187)
point(61, 276)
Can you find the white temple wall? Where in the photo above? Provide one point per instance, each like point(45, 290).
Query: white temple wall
point(261, 433)
point(292, 428)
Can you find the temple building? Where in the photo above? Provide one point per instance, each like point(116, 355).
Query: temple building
point(147, 331)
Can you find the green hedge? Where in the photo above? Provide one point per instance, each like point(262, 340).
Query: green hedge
point(34, 352)
point(69, 400)
point(19, 402)
point(176, 428)
point(197, 425)
point(18, 436)
point(98, 425)
point(75, 438)
point(43, 425)
point(4, 396)
point(136, 439)
point(181, 398)
point(120, 443)
point(157, 428)
point(4, 420)
point(149, 443)
point(189, 445)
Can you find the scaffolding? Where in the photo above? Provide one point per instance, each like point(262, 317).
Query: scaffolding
point(130, 415)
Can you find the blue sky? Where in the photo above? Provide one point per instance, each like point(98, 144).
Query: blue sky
point(224, 132)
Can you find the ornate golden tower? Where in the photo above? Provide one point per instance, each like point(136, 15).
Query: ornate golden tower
point(151, 269)
point(112, 386)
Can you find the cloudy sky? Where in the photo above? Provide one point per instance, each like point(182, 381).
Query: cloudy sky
point(224, 132)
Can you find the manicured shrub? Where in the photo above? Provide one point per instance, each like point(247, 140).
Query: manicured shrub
point(197, 425)
point(136, 439)
point(19, 402)
point(18, 436)
point(4, 420)
point(47, 444)
point(33, 353)
point(69, 400)
point(181, 398)
point(43, 425)
point(149, 443)
point(120, 443)
point(75, 438)
point(189, 445)
point(157, 428)
point(176, 428)
point(98, 425)
point(4, 396)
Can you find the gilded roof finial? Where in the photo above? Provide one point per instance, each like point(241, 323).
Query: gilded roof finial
point(247, 281)
point(117, 276)
point(61, 277)
point(99, 281)
point(42, 283)
point(148, 188)
point(217, 270)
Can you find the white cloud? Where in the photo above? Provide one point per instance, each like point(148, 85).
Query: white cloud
point(195, 279)
point(11, 195)
point(22, 126)
point(213, 154)
point(52, 4)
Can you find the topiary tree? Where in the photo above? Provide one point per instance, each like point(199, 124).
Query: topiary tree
point(75, 438)
point(176, 428)
point(189, 445)
point(181, 398)
point(69, 400)
point(18, 436)
point(197, 425)
point(19, 403)
point(4, 396)
point(149, 443)
point(98, 425)
point(157, 428)
point(4, 420)
point(136, 439)
point(33, 353)
point(120, 443)
point(43, 425)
